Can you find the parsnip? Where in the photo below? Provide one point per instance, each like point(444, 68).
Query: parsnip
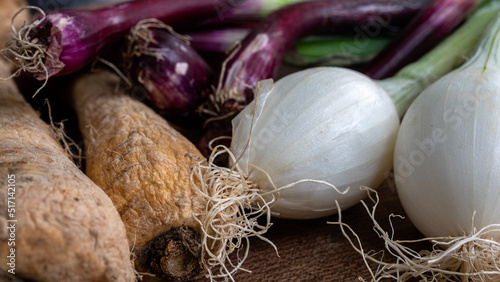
point(143, 165)
point(66, 227)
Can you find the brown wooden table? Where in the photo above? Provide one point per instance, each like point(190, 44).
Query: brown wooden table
point(313, 250)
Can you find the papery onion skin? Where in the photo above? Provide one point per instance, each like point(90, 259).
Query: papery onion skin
point(448, 152)
point(324, 123)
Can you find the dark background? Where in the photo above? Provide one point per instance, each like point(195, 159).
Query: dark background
point(58, 4)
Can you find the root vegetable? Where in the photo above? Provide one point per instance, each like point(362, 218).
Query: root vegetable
point(66, 228)
point(143, 165)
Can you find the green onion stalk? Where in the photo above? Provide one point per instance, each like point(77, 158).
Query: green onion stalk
point(334, 50)
point(311, 51)
point(410, 81)
point(234, 13)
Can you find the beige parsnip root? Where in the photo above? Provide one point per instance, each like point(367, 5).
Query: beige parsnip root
point(144, 165)
point(66, 227)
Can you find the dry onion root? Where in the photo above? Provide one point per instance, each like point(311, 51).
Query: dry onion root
point(140, 35)
point(234, 206)
point(475, 256)
point(26, 53)
point(9, 8)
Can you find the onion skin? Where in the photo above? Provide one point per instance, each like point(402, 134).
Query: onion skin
point(176, 78)
point(448, 149)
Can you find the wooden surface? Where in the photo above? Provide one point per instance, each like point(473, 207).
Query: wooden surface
point(314, 250)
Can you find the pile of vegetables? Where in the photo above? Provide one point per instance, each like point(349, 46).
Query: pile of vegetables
point(187, 155)
point(61, 225)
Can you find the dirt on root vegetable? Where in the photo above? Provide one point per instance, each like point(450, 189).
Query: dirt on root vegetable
point(143, 164)
point(65, 227)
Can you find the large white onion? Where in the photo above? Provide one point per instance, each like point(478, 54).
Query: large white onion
point(447, 168)
point(325, 123)
point(447, 157)
point(447, 174)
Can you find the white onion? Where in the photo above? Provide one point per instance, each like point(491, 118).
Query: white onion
point(447, 157)
point(325, 123)
point(447, 167)
point(294, 152)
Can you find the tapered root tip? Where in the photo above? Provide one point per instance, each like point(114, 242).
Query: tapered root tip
point(175, 255)
point(176, 262)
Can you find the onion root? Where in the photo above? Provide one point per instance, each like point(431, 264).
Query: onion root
point(474, 256)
